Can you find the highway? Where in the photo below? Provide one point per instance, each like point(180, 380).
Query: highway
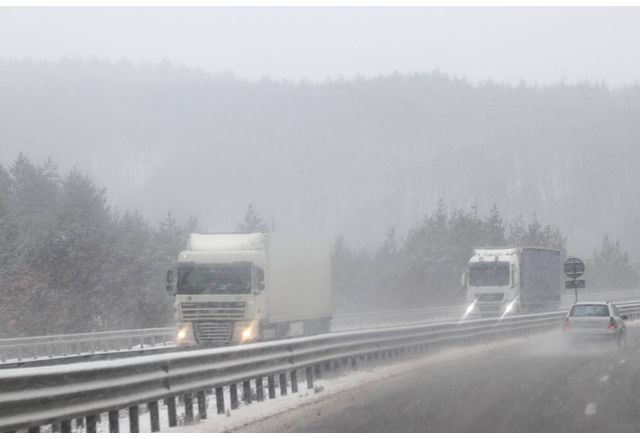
point(534, 386)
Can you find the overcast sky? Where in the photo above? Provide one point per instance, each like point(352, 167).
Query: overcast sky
point(539, 45)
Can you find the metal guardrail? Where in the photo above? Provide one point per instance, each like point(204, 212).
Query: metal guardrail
point(613, 296)
point(28, 348)
point(381, 318)
point(50, 346)
point(56, 395)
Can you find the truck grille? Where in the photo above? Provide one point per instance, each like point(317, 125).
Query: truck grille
point(218, 332)
point(218, 311)
point(490, 297)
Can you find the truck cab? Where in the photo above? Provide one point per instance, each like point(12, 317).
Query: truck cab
point(492, 282)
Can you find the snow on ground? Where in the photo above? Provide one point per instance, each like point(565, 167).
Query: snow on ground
point(325, 388)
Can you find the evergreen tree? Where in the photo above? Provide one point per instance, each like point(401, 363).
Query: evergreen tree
point(611, 269)
point(252, 222)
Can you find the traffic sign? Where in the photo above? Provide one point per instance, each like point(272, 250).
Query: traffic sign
point(574, 268)
point(575, 283)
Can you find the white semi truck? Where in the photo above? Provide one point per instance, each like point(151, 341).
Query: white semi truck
point(501, 281)
point(235, 288)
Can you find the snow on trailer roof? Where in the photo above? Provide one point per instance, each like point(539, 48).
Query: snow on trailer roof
point(220, 242)
point(506, 251)
point(591, 303)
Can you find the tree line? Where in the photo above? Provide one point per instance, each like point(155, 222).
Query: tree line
point(326, 154)
point(69, 262)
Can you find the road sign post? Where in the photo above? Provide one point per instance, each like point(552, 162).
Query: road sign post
point(574, 268)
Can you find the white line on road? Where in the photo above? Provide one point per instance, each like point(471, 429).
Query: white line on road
point(604, 379)
point(590, 409)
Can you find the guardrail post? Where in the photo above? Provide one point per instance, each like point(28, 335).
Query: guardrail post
point(220, 400)
point(154, 416)
point(233, 391)
point(134, 419)
point(271, 385)
point(202, 405)
point(309, 377)
point(65, 426)
point(188, 407)
point(114, 422)
point(91, 423)
point(294, 381)
point(283, 384)
point(170, 402)
point(259, 389)
point(246, 392)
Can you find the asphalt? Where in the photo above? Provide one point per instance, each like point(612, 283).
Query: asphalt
point(535, 386)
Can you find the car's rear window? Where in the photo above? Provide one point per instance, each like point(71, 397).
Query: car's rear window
point(589, 311)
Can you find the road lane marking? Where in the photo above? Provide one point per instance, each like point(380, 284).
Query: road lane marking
point(604, 379)
point(624, 360)
point(590, 409)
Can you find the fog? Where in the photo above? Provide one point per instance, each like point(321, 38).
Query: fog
point(415, 133)
point(535, 44)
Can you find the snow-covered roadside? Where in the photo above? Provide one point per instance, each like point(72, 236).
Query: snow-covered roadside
point(325, 388)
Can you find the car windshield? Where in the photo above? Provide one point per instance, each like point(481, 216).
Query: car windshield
point(590, 311)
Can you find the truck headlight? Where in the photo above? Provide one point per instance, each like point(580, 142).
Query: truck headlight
point(184, 334)
point(247, 334)
point(470, 308)
point(509, 307)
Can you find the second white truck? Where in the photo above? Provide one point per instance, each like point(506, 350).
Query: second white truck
point(501, 281)
point(238, 287)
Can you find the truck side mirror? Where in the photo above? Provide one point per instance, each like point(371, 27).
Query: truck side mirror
point(170, 278)
point(463, 279)
point(259, 279)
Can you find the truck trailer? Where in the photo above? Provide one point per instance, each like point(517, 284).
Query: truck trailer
point(501, 281)
point(234, 288)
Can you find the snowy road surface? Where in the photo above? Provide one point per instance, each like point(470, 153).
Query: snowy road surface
point(530, 385)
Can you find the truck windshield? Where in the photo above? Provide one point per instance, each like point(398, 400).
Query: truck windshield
point(214, 278)
point(484, 274)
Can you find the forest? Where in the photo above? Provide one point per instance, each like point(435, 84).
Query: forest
point(351, 156)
